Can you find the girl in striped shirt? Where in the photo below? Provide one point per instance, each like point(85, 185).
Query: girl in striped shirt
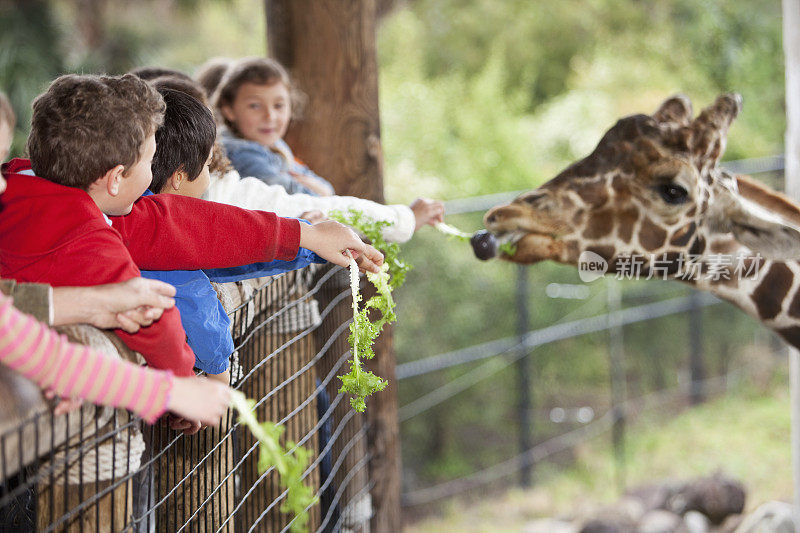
point(76, 371)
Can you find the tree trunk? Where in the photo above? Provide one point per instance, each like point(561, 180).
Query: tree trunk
point(329, 48)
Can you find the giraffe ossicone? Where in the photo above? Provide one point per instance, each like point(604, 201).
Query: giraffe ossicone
point(652, 196)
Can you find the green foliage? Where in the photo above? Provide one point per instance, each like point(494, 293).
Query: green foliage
point(372, 230)
point(467, 109)
point(290, 461)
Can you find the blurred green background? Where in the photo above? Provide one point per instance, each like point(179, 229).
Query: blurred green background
point(485, 96)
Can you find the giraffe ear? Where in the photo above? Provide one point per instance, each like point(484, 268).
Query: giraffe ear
point(754, 226)
point(710, 129)
point(675, 110)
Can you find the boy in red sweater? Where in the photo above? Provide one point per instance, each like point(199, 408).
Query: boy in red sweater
point(91, 145)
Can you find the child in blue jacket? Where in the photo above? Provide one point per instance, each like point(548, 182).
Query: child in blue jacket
point(180, 166)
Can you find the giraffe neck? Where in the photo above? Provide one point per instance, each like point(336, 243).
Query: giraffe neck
point(766, 290)
point(772, 296)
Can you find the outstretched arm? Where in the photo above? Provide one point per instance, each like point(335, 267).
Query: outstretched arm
point(172, 232)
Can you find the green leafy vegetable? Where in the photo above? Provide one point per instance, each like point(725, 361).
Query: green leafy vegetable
point(290, 466)
point(359, 382)
point(372, 230)
point(453, 231)
point(508, 248)
point(363, 332)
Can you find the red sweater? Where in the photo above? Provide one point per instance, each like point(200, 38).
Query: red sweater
point(54, 234)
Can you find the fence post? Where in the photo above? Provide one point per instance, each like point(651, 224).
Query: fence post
point(525, 407)
point(616, 354)
point(791, 50)
point(697, 368)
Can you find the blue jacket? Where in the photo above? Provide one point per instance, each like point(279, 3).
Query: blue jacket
point(203, 317)
point(251, 159)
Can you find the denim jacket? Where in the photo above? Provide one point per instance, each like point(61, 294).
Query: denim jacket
point(251, 159)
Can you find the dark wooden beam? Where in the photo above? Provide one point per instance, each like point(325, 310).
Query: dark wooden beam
point(330, 50)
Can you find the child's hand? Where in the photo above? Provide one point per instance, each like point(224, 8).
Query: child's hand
point(128, 305)
point(197, 399)
point(330, 239)
point(65, 405)
point(427, 211)
point(223, 377)
point(314, 216)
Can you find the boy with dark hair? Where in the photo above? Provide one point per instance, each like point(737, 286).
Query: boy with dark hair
point(180, 166)
point(183, 142)
point(91, 145)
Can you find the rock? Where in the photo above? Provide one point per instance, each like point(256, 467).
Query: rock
point(659, 521)
point(696, 522)
point(771, 517)
point(717, 497)
point(654, 496)
point(550, 525)
point(631, 508)
point(730, 524)
point(607, 525)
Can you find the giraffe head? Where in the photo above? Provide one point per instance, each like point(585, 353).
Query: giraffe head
point(651, 187)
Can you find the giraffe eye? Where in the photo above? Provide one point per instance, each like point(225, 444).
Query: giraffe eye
point(672, 193)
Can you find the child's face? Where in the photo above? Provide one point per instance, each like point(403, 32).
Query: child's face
point(261, 112)
point(137, 178)
point(6, 137)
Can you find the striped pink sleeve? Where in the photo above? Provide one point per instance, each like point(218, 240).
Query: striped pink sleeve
point(76, 371)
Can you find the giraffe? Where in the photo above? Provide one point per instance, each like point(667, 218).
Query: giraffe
point(652, 192)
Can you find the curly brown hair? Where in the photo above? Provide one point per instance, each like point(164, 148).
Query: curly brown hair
point(85, 125)
point(256, 70)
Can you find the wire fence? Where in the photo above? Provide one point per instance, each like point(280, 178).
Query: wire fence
point(101, 469)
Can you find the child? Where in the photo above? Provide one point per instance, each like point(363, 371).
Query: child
point(8, 120)
point(57, 365)
point(180, 166)
point(255, 100)
point(210, 73)
point(51, 362)
point(92, 139)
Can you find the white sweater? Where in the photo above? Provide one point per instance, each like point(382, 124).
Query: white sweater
point(252, 193)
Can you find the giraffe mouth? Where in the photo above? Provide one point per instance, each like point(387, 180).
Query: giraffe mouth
point(526, 247)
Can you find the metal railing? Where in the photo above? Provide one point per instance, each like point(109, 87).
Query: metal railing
point(101, 469)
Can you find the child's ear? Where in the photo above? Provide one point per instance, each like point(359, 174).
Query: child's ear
point(227, 112)
point(174, 182)
point(112, 179)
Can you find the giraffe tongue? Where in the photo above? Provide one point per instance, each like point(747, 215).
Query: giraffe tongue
point(484, 244)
